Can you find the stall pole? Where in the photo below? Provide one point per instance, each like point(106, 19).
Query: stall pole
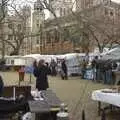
point(30, 77)
point(83, 115)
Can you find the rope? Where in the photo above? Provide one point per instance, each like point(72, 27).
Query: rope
point(80, 104)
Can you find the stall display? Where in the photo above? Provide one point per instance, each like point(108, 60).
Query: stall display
point(109, 96)
point(88, 74)
point(47, 107)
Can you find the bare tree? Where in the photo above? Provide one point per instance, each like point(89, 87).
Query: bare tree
point(3, 12)
point(3, 9)
point(18, 28)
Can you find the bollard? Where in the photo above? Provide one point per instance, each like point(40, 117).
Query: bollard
point(62, 115)
point(83, 115)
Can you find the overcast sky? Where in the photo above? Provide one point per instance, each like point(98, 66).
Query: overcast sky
point(117, 1)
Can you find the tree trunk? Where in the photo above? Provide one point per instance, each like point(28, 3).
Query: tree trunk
point(15, 52)
point(100, 49)
point(3, 49)
point(3, 43)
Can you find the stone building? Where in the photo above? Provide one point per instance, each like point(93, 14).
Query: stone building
point(61, 7)
point(107, 11)
point(83, 4)
point(10, 26)
point(26, 45)
point(38, 18)
point(14, 31)
point(41, 41)
point(45, 36)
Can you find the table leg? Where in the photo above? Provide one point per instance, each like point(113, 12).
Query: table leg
point(103, 115)
point(111, 108)
point(99, 108)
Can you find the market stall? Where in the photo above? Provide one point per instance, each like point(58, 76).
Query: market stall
point(109, 96)
point(73, 61)
point(14, 62)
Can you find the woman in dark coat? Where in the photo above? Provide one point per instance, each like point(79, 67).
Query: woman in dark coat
point(41, 73)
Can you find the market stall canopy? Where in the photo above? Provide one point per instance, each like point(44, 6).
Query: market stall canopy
point(34, 56)
point(14, 60)
point(113, 54)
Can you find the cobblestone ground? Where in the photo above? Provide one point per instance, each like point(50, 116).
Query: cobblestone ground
point(69, 91)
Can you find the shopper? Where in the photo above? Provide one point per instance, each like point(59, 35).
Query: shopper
point(83, 68)
point(41, 72)
point(64, 70)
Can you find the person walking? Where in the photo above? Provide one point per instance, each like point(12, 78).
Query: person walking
point(41, 72)
point(64, 70)
point(53, 66)
point(48, 67)
point(95, 68)
point(83, 68)
point(108, 72)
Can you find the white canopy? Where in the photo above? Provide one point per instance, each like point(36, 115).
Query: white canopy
point(112, 54)
point(34, 56)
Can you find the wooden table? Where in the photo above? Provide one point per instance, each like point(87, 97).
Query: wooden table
point(45, 109)
point(117, 76)
point(106, 96)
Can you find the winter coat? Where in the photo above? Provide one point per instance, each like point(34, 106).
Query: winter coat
point(64, 67)
point(41, 77)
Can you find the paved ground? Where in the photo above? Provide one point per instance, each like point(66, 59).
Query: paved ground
point(74, 92)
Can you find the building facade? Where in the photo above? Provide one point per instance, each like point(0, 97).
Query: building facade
point(38, 18)
point(14, 31)
point(83, 4)
point(46, 37)
point(102, 11)
point(61, 8)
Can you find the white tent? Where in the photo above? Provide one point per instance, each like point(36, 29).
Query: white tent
point(32, 57)
point(112, 54)
point(14, 60)
point(48, 58)
point(73, 62)
point(29, 59)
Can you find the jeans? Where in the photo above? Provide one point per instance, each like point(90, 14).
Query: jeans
point(97, 74)
point(94, 74)
point(108, 75)
point(83, 73)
